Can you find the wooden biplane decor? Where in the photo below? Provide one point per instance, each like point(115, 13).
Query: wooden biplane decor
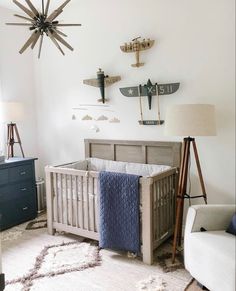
point(102, 82)
point(149, 90)
point(136, 47)
point(41, 23)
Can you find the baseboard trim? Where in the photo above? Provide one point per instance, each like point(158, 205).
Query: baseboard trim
point(2, 282)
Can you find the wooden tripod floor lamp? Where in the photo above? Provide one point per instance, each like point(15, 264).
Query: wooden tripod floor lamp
point(12, 112)
point(188, 120)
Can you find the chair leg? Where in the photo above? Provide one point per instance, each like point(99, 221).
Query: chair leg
point(201, 286)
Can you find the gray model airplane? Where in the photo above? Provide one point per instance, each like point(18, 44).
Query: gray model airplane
point(150, 90)
point(102, 82)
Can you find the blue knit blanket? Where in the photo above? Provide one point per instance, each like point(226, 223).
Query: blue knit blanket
point(119, 211)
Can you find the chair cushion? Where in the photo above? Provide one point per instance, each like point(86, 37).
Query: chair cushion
point(232, 226)
point(210, 258)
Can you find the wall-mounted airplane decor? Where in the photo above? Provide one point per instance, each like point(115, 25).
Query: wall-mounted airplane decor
point(149, 90)
point(136, 47)
point(42, 23)
point(102, 82)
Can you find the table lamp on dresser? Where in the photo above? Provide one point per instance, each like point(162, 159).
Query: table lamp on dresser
point(188, 121)
point(12, 112)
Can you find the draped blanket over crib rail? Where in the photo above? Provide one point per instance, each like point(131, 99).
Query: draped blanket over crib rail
point(119, 211)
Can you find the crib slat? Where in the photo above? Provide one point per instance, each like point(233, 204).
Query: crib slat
point(61, 196)
point(76, 202)
point(155, 211)
point(92, 209)
point(90, 193)
point(162, 208)
point(71, 201)
point(55, 188)
point(87, 205)
point(66, 199)
point(173, 199)
point(82, 202)
point(165, 205)
point(158, 208)
point(96, 210)
point(169, 203)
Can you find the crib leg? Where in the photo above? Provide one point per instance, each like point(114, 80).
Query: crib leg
point(147, 256)
point(49, 194)
point(147, 221)
point(51, 231)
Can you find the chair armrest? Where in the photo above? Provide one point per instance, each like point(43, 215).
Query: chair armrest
point(210, 217)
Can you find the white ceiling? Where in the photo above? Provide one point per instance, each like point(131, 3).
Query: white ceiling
point(37, 3)
point(7, 4)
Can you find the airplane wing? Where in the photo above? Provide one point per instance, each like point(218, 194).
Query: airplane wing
point(91, 82)
point(111, 80)
point(130, 91)
point(134, 91)
point(167, 89)
point(163, 89)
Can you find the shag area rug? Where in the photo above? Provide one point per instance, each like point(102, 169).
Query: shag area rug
point(36, 261)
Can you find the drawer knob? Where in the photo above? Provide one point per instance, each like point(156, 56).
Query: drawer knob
point(25, 208)
point(23, 189)
point(22, 173)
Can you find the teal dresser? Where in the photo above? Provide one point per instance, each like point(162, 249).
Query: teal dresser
point(17, 192)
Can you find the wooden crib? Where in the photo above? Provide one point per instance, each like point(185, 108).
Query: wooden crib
point(79, 214)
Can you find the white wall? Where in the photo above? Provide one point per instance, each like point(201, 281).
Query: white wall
point(195, 45)
point(17, 81)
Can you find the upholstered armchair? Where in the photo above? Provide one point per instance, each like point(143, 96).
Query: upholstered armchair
point(209, 251)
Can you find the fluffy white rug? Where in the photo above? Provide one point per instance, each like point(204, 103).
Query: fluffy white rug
point(152, 284)
point(36, 261)
point(58, 260)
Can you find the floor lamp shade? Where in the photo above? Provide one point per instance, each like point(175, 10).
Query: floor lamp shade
point(191, 120)
point(11, 111)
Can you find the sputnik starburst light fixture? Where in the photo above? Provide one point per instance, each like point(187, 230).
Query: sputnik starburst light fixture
point(42, 23)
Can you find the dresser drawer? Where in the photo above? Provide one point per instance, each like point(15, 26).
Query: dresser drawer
point(26, 207)
point(20, 173)
point(3, 176)
point(4, 192)
point(15, 191)
point(17, 211)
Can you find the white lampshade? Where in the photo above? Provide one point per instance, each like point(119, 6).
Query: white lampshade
point(11, 111)
point(190, 120)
